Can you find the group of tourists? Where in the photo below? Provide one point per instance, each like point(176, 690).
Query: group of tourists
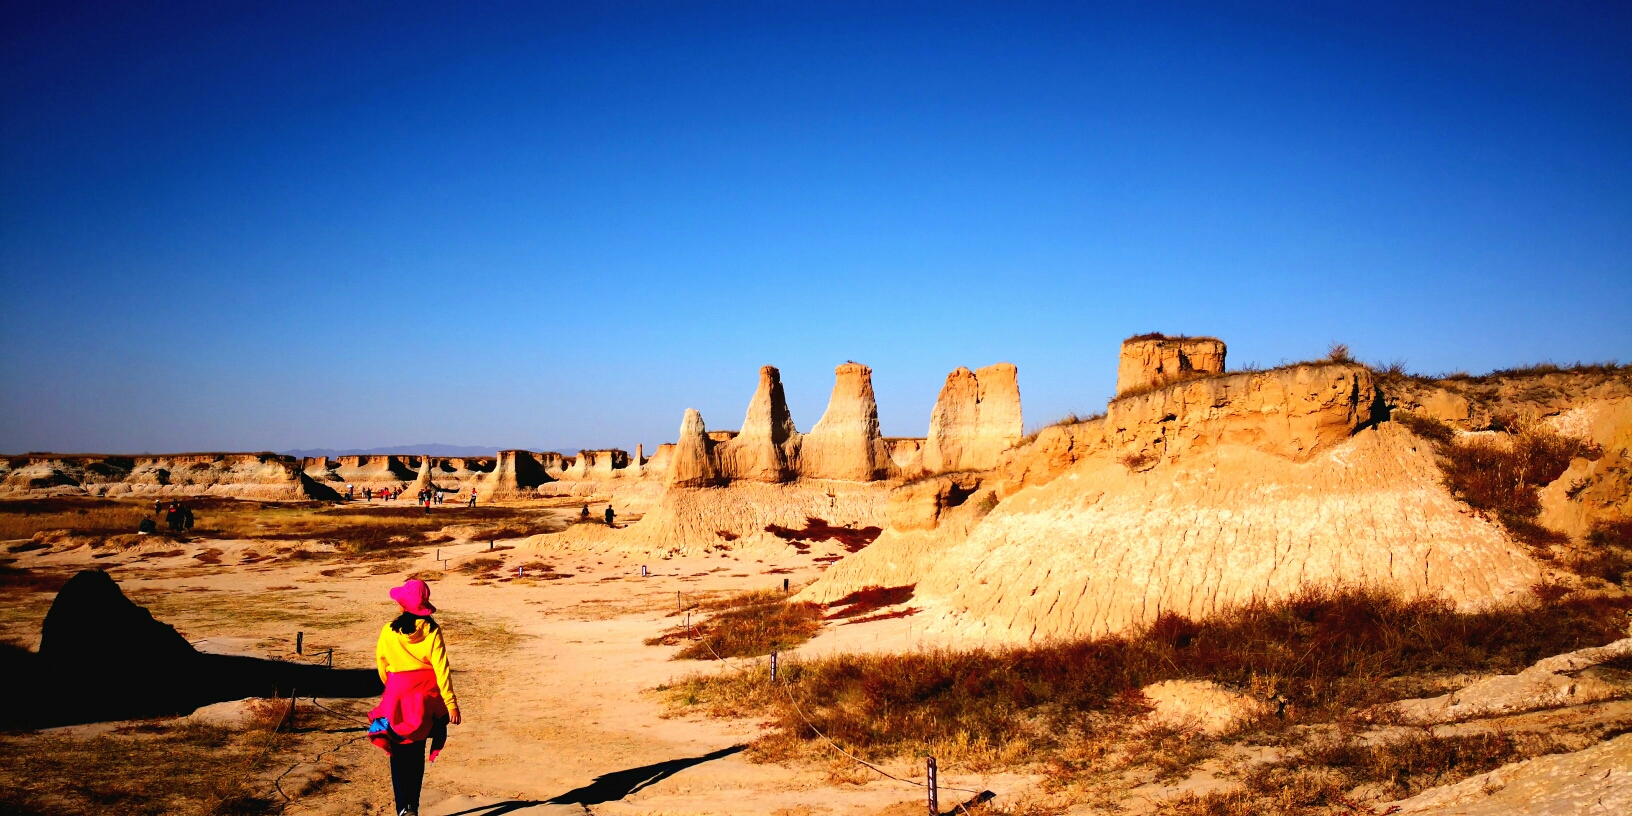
point(178, 516)
point(370, 494)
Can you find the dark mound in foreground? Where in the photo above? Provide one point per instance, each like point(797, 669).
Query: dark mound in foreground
point(102, 657)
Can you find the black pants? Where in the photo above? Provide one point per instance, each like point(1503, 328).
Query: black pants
point(407, 774)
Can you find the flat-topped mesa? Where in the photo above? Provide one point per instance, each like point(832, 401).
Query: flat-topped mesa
point(692, 462)
point(846, 443)
point(976, 418)
point(378, 469)
point(1153, 360)
point(767, 447)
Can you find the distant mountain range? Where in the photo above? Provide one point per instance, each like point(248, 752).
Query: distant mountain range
point(430, 449)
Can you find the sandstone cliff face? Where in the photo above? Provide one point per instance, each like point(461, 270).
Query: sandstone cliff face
point(1293, 412)
point(976, 418)
point(846, 443)
point(265, 476)
point(692, 462)
point(1151, 361)
point(1597, 490)
point(767, 447)
point(376, 471)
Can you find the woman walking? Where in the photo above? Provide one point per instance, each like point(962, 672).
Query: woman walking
point(418, 703)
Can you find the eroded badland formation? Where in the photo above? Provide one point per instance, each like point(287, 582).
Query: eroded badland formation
point(1198, 493)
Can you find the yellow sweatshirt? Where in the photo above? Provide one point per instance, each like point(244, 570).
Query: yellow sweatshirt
point(424, 649)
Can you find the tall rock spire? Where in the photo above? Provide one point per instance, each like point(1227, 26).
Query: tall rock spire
point(692, 464)
point(846, 444)
point(766, 450)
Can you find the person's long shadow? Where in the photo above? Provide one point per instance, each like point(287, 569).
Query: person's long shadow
point(618, 784)
point(608, 787)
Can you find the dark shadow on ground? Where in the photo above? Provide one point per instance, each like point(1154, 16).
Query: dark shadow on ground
point(607, 787)
point(103, 658)
point(618, 784)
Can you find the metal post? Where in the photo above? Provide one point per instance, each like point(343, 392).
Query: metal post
point(773, 667)
point(934, 798)
point(300, 643)
point(643, 570)
point(331, 657)
point(688, 626)
point(784, 585)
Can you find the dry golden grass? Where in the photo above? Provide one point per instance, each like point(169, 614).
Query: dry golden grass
point(1328, 774)
point(1325, 652)
point(188, 770)
point(23, 519)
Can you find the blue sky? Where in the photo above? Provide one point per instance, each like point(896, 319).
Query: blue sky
point(278, 225)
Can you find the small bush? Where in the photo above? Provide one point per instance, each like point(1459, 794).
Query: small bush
point(1339, 352)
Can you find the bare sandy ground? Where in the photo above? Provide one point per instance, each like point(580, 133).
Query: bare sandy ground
point(554, 681)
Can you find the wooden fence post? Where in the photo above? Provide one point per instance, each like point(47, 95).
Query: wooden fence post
point(934, 784)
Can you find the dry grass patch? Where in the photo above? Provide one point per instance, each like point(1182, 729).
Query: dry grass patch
point(1323, 653)
point(751, 624)
point(1343, 773)
point(23, 519)
point(1501, 475)
point(187, 770)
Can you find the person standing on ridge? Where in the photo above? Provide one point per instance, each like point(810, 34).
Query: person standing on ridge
point(418, 704)
point(609, 514)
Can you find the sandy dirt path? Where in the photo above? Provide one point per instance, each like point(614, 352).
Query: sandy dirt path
point(553, 678)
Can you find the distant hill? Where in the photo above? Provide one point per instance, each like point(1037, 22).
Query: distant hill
point(429, 449)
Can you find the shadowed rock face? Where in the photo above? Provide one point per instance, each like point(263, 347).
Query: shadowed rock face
point(846, 443)
point(692, 463)
point(102, 657)
point(1153, 361)
point(516, 475)
point(976, 418)
point(766, 449)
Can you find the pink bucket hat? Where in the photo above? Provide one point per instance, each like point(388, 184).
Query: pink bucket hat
point(414, 596)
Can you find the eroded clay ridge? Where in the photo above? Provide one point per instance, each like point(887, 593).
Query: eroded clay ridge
point(1215, 490)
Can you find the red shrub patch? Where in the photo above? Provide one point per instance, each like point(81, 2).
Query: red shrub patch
point(869, 599)
point(851, 538)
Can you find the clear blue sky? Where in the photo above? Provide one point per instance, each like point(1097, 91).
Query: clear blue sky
point(249, 226)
